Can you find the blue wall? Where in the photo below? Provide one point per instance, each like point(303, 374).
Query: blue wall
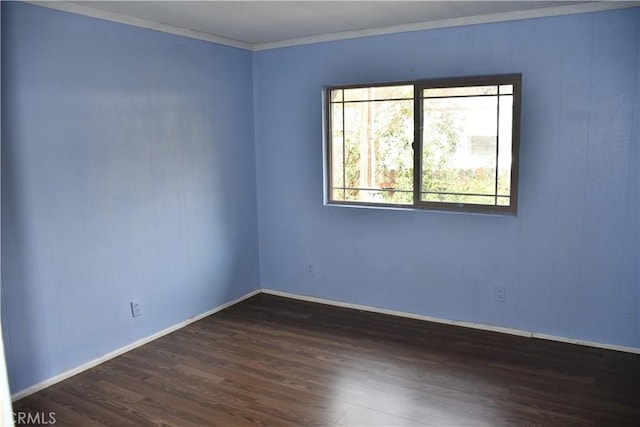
point(128, 171)
point(569, 260)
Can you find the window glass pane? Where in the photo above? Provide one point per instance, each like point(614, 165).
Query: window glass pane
point(336, 95)
point(506, 89)
point(353, 133)
point(401, 197)
point(460, 91)
point(393, 92)
point(459, 149)
point(355, 195)
point(453, 198)
point(504, 201)
point(358, 94)
point(376, 163)
point(504, 150)
point(337, 150)
point(379, 93)
point(338, 194)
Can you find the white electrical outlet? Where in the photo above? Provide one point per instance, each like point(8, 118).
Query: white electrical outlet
point(136, 308)
point(500, 292)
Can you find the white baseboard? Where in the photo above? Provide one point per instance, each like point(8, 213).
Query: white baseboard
point(63, 376)
point(635, 350)
point(481, 326)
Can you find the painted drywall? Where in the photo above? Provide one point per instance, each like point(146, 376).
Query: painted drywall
point(128, 172)
point(569, 259)
point(6, 413)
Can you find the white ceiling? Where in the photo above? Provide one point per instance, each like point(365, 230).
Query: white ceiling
point(266, 24)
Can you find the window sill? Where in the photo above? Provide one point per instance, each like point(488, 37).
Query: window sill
point(411, 208)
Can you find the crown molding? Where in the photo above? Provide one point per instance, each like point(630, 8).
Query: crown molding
point(78, 9)
point(598, 6)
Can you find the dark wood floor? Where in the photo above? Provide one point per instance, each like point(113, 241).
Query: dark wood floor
point(275, 361)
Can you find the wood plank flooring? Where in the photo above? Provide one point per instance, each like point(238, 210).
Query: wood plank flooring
point(273, 361)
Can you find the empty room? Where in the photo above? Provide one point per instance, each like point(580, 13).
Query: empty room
point(308, 213)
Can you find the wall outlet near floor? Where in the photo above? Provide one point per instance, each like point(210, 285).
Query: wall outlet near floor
point(136, 308)
point(310, 272)
point(500, 293)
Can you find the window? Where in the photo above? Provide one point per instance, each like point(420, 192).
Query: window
point(437, 144)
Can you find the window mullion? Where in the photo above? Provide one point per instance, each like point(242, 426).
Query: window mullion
point(497, 144)
point(344, 153)
point(417, 144)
